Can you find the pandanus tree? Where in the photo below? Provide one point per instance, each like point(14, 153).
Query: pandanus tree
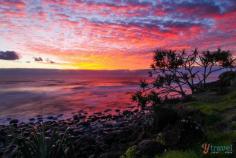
point(180, 73)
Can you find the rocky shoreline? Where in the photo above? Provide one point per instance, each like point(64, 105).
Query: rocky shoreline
point(107, 136)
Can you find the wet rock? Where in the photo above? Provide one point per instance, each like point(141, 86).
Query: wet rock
point(85, 124)
point(50, 118)
point(136, 110)
point(14, 121)
point(117, 110)
point(87, 146)
point(76, 132)
point(126, 112)
point(76, 117)
point(32, 119)
point(131, 107)
point(60, 115)
point(107, 110)
point(111, 155)
point(97, 113)
point(107, 135)
point(2, 138)
point(40, 119)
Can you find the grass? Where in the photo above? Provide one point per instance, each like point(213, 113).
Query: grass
point(209, 104)
point(221, 138)
point(130, 153)
point(179, 154)
point(218, 109)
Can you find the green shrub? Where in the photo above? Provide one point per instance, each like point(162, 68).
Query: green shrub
point(227, 77)
point(221, 137)
point(213, 118)
point(39, 145)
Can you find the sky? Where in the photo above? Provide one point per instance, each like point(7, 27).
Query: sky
point(109, 34)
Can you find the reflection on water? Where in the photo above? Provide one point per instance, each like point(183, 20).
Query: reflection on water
point(26, 96)
point(27, 93)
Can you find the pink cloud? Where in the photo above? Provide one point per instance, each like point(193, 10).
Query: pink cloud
point(92, 34)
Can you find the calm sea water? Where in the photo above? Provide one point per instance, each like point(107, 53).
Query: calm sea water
point(24, 94)
point(27, 93)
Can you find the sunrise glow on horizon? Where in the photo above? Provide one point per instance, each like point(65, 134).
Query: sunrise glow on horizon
point(109, 34)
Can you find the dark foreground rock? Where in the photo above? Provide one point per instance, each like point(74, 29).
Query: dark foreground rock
point(150, 148)
point(102, 135)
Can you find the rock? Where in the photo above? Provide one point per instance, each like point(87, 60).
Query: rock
point(2, 138)
point(107, 110)
point(97, 113)
point(76, 117)
point(121, 135)
point(76, 132)
point(149, 148)
point(85, 124)
point(136, 110)
point(26, 133)
point(87, 146)
point(50, 118)
point(131, 107)
point(111, 155)
point(40, 120)
point(32, 119)
point(109, 116)
point(14, 121)
point(59, 115)
point(126, 112)
point(117, 110)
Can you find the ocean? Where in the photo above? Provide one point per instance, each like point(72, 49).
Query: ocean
point(29, 93)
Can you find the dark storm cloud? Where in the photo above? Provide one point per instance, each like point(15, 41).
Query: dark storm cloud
point(8, 55)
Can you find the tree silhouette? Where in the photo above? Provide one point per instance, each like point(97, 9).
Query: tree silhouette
point(179, 73)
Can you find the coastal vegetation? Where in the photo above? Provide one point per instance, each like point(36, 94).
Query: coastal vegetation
point(180, 74)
